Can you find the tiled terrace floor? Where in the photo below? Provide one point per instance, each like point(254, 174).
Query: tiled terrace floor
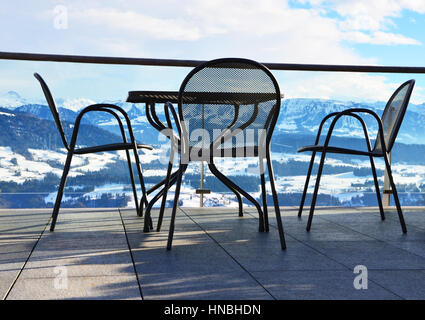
point(216, 255)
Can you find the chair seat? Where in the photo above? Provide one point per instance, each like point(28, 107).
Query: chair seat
point(111, 147)
point(330, 149)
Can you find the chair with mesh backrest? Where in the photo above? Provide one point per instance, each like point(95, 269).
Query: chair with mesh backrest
point(227, 108)
point(71, 148)
point(388, 127)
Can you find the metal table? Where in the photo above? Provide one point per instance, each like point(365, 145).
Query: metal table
point(150, 98)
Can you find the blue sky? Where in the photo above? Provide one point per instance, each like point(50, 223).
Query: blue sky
point(383, 32)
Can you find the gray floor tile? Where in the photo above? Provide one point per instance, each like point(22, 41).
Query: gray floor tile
point(215, 255)
point(203, 286)
point(322, 230)
point(415, 247)
point(254, 256)
point(409, 284)
point(19, 232)
point(318, 285)
point(192, 257)
point(372, 254)
point(79, 262)
point(81, 288)
point(373, 226)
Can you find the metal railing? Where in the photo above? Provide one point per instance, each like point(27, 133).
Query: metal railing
point(193, 63)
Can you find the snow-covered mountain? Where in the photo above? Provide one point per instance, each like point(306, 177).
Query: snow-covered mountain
point(11, 100)
point(31, 158)
point(304, 116)
point(76, 104)
point(297, 116)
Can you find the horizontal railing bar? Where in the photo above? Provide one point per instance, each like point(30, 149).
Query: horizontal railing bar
point(194, 63)
point(98, 60)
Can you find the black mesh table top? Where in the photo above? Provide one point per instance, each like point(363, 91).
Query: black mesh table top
point(152, 96)
point(236, 98)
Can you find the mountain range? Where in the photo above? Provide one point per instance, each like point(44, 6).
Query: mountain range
point(297, 116)
point(29, 125)
point(304, 116)
point(31, 149)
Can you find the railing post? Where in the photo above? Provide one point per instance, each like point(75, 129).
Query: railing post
point(201, 196)
point(201, 191)
point(386, 197)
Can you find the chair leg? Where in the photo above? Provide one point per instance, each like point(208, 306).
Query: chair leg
point(141, 207)
point(307, 180)
point(61, 190)
point(395, 194)
point(175, 204)
point(157, 186)
point(276, 201)
point(148, 220)
point(378, 193)
point(142, 182)
point(237, 194)
point(264, 193)
point(130, 169)
point(316, 190)
point(164, 196)
point(230, 183)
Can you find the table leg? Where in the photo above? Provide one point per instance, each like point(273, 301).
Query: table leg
point(148, 220)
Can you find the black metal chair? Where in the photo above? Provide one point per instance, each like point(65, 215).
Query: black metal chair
point(388, 127)
point(230, 107)
point(72, 149)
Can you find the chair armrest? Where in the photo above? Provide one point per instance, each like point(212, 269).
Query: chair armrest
point(144, 146)
point(123, 113)
point(319, 132)
point(168, 107)
point(230, 131)
point(353, 112)
point(168, 130)
point(103, 108)
point(153, 118)
point(160, 126)
point(227, 133)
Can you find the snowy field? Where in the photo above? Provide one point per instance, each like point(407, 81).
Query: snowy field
point(17, 168)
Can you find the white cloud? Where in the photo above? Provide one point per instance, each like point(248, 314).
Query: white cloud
point(345, 86)
point(340, 86)
point(138, 23)
point(77, 104)
point(366, 21)
point(267, 31)
point(379, 37)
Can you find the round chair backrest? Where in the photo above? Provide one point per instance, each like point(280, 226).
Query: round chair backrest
point(393, 115)
point(238, 96)
point(53, 109)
